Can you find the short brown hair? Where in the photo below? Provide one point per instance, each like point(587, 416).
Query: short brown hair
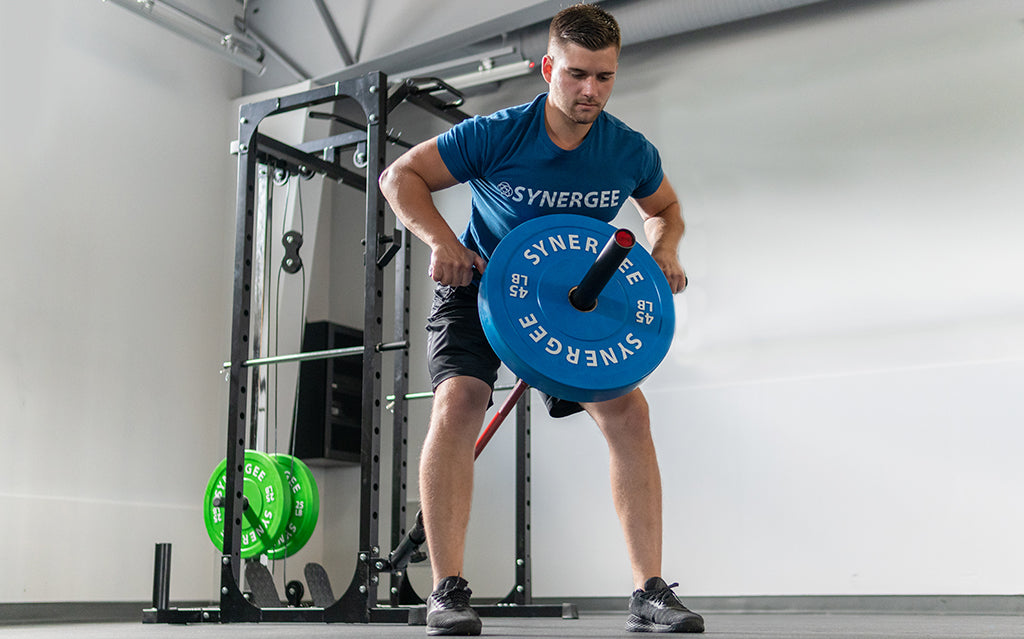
point(587, 25)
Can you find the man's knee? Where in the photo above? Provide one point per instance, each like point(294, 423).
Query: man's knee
point(460, 402)
point(627, 416)
point(462, 393)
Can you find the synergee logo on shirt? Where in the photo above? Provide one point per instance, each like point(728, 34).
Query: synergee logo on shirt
point(561, 199)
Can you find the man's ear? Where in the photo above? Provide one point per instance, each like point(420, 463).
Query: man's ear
point(546, 65)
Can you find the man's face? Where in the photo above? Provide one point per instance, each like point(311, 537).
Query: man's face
point(580, 80)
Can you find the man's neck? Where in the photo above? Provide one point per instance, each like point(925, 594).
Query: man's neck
point(563, 132)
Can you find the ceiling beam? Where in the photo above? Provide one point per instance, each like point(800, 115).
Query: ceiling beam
point(415, 56)
point(332, 28)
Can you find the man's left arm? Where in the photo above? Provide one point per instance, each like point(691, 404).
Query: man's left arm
point(664, 226)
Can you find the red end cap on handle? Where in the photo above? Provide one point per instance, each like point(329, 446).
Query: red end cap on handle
point(625, 238)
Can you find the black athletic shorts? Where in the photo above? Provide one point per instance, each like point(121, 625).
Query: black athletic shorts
point(456, 344)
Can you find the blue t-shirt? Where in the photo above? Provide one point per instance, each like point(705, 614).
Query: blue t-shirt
point(517, 173)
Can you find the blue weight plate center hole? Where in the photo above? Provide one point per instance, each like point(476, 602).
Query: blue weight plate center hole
point(572, 291)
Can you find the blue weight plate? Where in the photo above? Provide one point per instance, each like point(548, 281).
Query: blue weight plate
point(548, 343)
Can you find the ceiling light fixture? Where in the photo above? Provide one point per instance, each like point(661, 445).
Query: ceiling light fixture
point(473, 70)
point(490, 73)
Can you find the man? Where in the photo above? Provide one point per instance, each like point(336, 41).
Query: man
point(562, 141)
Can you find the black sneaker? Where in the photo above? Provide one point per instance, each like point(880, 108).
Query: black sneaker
point(448, 611)
point(657, 609)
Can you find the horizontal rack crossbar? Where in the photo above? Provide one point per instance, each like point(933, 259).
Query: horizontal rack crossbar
point(429, 394)
point(327, 354)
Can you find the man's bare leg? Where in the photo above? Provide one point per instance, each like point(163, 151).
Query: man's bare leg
point(636, 492)
point(635, 479)
point(446, 470)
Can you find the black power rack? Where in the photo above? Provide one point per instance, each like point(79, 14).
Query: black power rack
point(359, 603)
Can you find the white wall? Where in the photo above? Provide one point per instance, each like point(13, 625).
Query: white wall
point(838, 414)
point(850, 366)
point(118, 211)
point(841, 407)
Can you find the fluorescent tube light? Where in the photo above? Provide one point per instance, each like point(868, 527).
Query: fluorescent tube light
point(490, 74)
point(472, 70)
point(445, 68)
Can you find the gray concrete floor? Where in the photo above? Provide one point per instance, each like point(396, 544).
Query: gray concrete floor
point(590, 624)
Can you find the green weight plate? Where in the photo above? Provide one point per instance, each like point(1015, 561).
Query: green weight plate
point(269, 503)
point(305, 507)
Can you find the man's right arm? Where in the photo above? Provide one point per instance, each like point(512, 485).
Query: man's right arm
point(407, 185)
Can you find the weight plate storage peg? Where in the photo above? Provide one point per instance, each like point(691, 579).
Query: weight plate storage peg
point(577, 355)
point(269, 503)
point(305, 507)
